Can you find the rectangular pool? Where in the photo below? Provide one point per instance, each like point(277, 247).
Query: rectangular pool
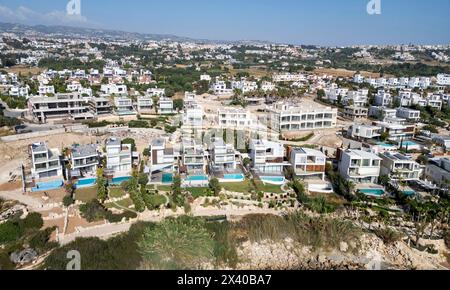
point(372, 191)
point(409, 192)
point(86, 182)
point(50, 185)
point(277, 180)
point(197, 178)
point(234, 177)
point(167, 178)
point(120, 180)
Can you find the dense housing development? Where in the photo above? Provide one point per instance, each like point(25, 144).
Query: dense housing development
point(105, 133)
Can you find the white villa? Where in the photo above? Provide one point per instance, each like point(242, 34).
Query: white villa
point(308, 162)
point(118, 158)
point(359, 166)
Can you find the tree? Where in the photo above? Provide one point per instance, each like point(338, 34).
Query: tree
point(178, 104)
point(215, 186)
point(143, 179)
point(177, 194)
point(130, 141)
point(246, 162)
point(182, 243)
point(102, 190)
point(320, 94)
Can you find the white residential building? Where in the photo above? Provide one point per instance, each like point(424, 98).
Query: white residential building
point(165, 106)
point(205, 77)
point(220, 88)
point(46, 90)
point(288, 77)
point(355, 113)
point(361, 131)
point(267, 86)
point(163, 158)
point(193, 115)
point(144, 104)
point(118, 158)
point(16, 91)
point(84, 160)
point(438, 172)
point(443, 79)
point(116, 89)
point(223, 156)
point(100, 105)
point(59, 107)
point(383, 98)
point(399, 167)
point(124, 106)
point(382, 112)
point(235, 118)
point(408, 114)
point(45, 162)
point(244, 86)
point(359, 166)
point(193, 157)
point(397, 129)
point(156, 92)
point(301, 117)
point(308, 162)
point(267, 156)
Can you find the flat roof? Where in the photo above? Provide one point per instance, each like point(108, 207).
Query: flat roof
point(84, 150)
point(362, 154)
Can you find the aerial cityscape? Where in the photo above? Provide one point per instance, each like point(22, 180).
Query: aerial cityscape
point(143, 145)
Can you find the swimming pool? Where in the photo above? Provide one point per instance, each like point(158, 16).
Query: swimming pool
point(50, 185)
point(120, 180)
point(197, 178)
point(409, 144)
point(86, 182)
point(372, 191)
point(234, 177)
point(273, 179)
point(409, 192)
point(385, 145)
point(167, 178)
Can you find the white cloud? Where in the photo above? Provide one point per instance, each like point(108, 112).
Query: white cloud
point(28, 16)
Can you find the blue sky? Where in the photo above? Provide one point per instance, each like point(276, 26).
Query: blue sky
point(323, 22)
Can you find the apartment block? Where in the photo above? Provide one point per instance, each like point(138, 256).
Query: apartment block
point(61, 106)
point(287, 117)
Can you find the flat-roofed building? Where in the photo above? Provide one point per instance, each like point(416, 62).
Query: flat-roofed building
point(45, 162)
point(308, 162)
point(359, 166)
point(301, 117)
point(59, 107)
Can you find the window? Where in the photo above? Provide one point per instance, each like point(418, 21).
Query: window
point(366, 162)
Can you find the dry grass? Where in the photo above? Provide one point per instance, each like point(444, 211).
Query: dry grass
point(24, 70)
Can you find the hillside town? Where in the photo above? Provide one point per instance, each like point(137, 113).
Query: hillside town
point(99, 134)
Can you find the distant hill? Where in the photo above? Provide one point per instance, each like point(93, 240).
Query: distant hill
point(67, 31)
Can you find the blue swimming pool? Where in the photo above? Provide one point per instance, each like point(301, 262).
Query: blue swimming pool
point(409, 192)
point(386, 145)
point(86, 182)
point(239, 177)
point(409, 144)
point(372, 191)
point(50, 185)
point(197, 178)
point(273, 179)
point(167, 178)
point(120, 180)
